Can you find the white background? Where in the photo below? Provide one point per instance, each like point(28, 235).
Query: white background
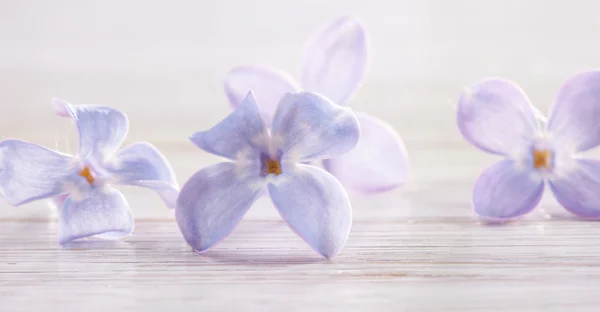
point(163, 62)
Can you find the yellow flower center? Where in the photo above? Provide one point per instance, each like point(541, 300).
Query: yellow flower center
point(273, 167)
point(541, 158)
point(87, 174)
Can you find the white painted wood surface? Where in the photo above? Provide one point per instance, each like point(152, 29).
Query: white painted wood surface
point(413, 250)
point(439, 264)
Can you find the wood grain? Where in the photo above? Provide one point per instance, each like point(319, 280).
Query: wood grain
point(415, 249)
point(452, 264)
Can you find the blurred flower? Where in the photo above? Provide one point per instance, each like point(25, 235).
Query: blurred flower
point(81, 184)
point(496, 116)
point(334, 66)
point(306, 127)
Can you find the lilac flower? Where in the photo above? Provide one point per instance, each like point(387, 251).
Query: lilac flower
point(306, 127)
point(81, 184)
point(496, 116)
point(334, 65)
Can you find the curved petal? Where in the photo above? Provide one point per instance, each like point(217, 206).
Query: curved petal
point(103, 212)
point(575, 114)
point(213, 201)
point(578, 189)
point(30, 172)
point(101, 129)
point(366, 169)
point(268, 84)
point(308, 126)
point(315, 205)
point(142, 164)
point(58, 201)
point(335, 61)
point(505, 191)
point(238, 136)
point(496, 116)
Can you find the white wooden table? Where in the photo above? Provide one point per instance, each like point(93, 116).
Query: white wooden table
point(413, 250)
point(448, 264)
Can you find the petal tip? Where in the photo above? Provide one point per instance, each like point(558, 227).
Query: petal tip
point(201, 250)
point(328, 254)
point(250, 97)
point(358, 25)
point(198, 244)
point(197, 138)
point(346, 21)
point(268, 82)
point(486, 220)
point(370, 191)
point(335, 60)
point(171, 199)
point(169, 195)
point(64, 240)
point(61, 107)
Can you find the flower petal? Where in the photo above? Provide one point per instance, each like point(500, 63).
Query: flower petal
point(366, 169)
point(315, 205)
point(57, 202)
point(335, 61)
point(575, 114)
point(308, 126)
point(213, 201)
point(141, 164)
point(238, 136)
point(101, 129)
point(30, 172)
point(103, 212)
point(505, 191)
point(268, 84)
point(578, 190)
point(496, 116)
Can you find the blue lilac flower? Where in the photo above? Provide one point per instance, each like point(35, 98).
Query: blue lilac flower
point(306, 127)
point(334, 65)
point(496, 116)
point(82, 185)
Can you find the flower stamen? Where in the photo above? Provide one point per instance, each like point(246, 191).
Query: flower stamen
point(541, 158)
point(272, 167)
point(87, 174)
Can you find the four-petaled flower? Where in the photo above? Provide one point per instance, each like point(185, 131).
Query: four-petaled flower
point(80, 184)
point(334, 66)
point(306, 127)
point(496, 116)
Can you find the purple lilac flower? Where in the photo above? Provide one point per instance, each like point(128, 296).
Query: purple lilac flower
point(334, 66)
point(496, 116)
point(81, 185)
point(306, 127)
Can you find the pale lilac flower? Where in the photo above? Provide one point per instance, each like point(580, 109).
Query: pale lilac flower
point(306, 127)
point(496, 116)
point(81, 184)
point(334, 66)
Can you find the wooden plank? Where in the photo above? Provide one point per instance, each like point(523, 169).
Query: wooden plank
point(449, 264)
